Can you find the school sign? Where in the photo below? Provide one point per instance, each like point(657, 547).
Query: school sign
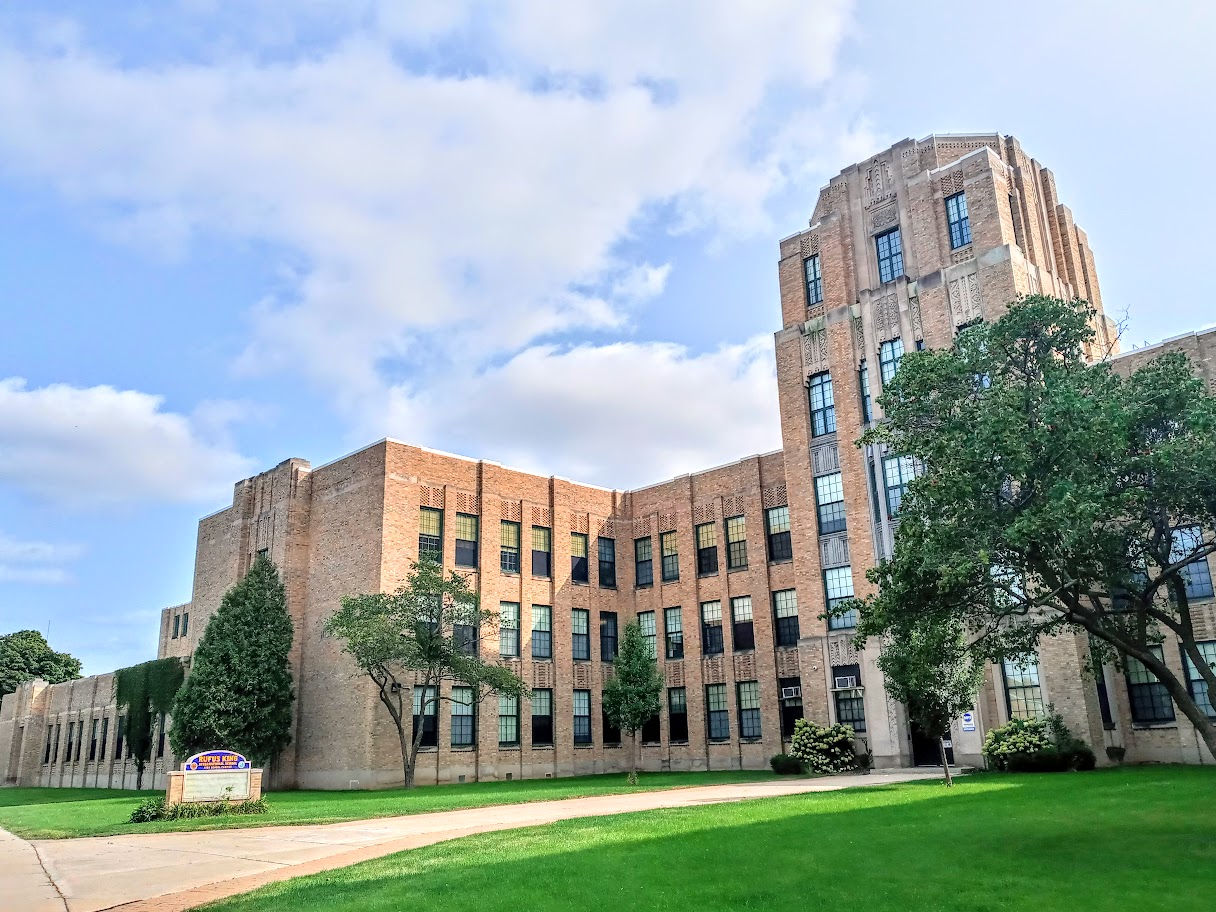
point(215, 775)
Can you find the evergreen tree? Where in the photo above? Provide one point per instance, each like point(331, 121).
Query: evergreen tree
point(634, 694)
point(239, 692)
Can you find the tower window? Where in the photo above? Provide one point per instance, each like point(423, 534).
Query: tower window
point(890, 250)
point(960, 223)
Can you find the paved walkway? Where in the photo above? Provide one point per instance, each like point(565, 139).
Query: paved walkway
point(168, 872)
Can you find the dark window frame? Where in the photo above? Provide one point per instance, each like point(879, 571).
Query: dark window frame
point(669, 559)
point(780, 545)
point(607, 565)
point(542, 559)
point(677, 721)
point(542, 637)
point(508, 555)
point(812, 273)
point(466, 548)
point(673, 640)
point(580, 643)
point(712, 640)
point(736, 549)
point(430, 545)
point(717, 719)
point(609, 632)
point(1148, 700)
point(430, 719)
point(958, 220)
point(542, 723)
point(889, 248)
point(643, 567)
point(830, 514)
point(748, 716)
point(579, 570)
point(706, 537)
point(822, 402)
point(582, 722)
point(785, 626)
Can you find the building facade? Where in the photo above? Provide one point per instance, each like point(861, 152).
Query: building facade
point(727, 570)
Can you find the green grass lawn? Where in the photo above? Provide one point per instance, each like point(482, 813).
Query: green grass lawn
point(1136, 838)
point(56, 813)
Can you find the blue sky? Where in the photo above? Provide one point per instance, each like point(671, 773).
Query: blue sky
point(231, 233)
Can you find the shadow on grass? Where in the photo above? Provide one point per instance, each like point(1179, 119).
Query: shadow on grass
point(1097, 841)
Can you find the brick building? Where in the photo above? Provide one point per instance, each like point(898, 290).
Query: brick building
point(727, 569)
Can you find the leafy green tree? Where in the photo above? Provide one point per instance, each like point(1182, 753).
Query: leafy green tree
point(239, 693)
point(634, 694)
point(425, 632)
point(144, 694)
point(928, 666)
point(26, 655)
point(1060, 496)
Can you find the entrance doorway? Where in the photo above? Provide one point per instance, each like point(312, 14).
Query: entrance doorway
point(926, 751)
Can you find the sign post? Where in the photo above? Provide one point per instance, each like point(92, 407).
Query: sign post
point(217, 775)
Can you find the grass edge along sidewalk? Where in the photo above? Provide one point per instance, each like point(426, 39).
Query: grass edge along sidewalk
point(60, 813)
point(1083, 842)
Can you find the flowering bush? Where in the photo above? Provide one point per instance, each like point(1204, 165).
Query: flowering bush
point(1037, 746)
point(823, 749)
point(1017, 736)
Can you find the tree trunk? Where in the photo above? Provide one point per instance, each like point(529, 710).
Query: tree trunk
point(407, 757)
point(139, 775)
point(941, 743)
point(1190, 709)
point(634, 754)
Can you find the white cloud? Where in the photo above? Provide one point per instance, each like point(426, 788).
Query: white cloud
point(34, 562)
point(453, 185)
point(99, 445)
point(565, 411)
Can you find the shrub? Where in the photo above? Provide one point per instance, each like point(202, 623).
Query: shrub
point(824, 749)
point(156, 809)
point(1016, 737)
point(1037, 746)
point(785, 765)
point(632, 778)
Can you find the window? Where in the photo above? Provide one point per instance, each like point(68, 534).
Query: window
point(509, 553)
point(542, 718)
point(464, 636)
point(160, 739)
point(55, 745)
point(50, 737)
point(741, 623)
point(67, 757)
point(430, 534)
point(120, 738)
point(466, 540)
point(464, 722)
point(607, 553)
point(542, 546)
point(105, 735)
point(646, 622)
point(673, 626)
point(580, 636)
point(508, 629)
point(897, 472)
point(785, 609)
point(1197, 686)
point(823, 404)
point(960, 224)
point(829, 503)
point(1197, 576)
point(719, 713)
point(1150, 700)
point(177, 626)
point(814, 280)
point(838, 584)
point(671, 560)
point(542, 632)
point(890, 353)
point(863, 380)
point(711, 628)
point(426, 714)
point(677, 715)
point(791, 704)
point(643, 561)
point(747, 694)
point(890, 251)
point(777, 523)
point(578, 557)
point(847, 695)
point(607, 636)
point(612, 733)
point(651, 730)
point(93, 739)
point(508, 720)
point(1023, 693)
point(736, 543)
point(582, 717)
point(185, 622)
point(707, 549)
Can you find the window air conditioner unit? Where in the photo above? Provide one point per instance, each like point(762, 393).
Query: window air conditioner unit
point(848, 682)
point(791, 693)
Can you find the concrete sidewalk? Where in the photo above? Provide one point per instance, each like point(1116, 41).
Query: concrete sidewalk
point(176, 871)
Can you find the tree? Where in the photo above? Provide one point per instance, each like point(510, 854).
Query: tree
point(634, 694)
point(1059, 496)
point(239, 693)
point(425, 631)
point(26, 655)
point(928, 667)
point(144, 694)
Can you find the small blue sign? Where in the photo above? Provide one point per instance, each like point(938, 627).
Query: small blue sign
point(216, 761)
